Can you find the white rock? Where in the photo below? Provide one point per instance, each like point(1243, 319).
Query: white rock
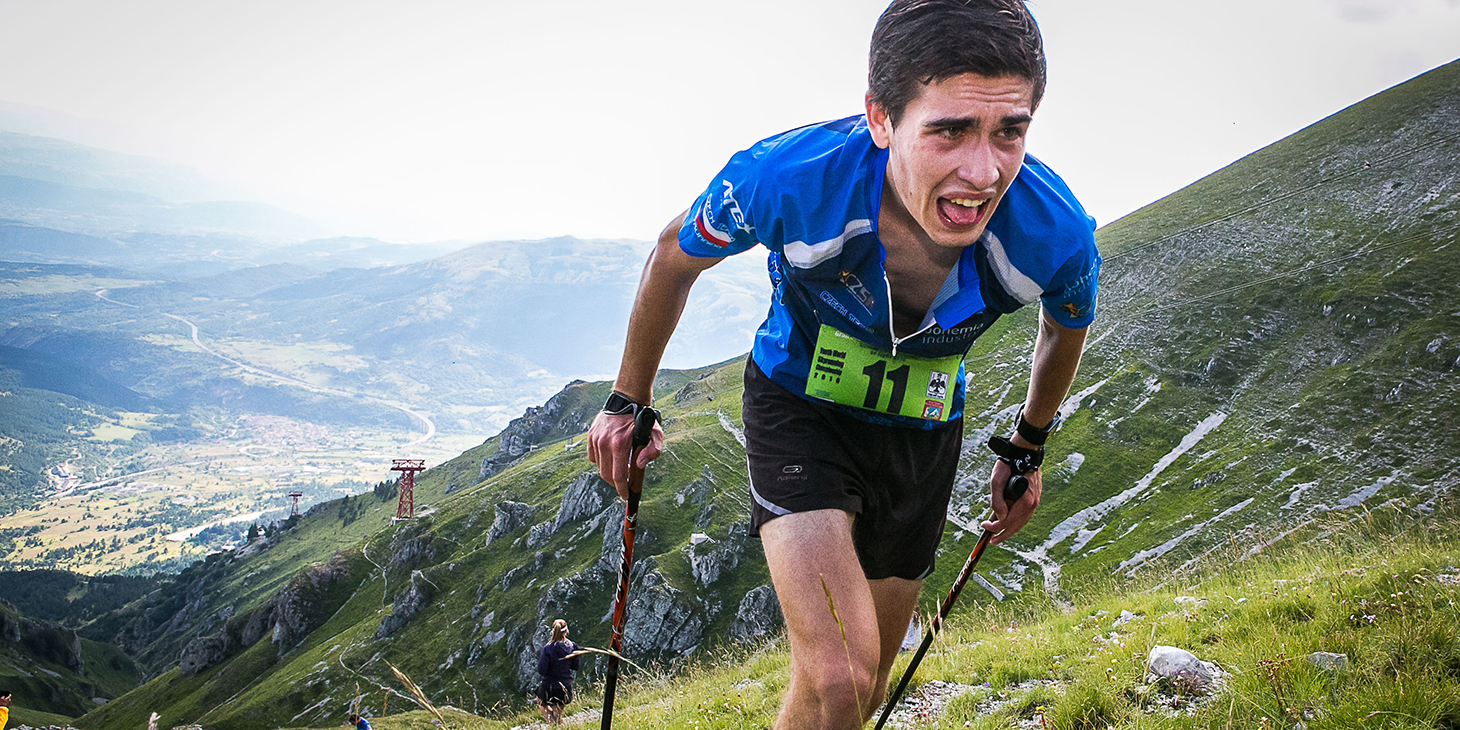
point(699, 537)
point(1182, 669)
point(1190, 601)
point(1125, 618)
point(1329, 661)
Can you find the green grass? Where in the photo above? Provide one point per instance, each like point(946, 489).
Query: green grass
point(20, 715)
point(1379, 587)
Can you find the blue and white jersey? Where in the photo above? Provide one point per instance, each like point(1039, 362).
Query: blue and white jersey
point(811, 196)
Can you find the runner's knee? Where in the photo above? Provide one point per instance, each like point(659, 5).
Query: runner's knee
point(838, 687)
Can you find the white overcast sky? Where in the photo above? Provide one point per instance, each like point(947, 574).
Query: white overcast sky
point(486, 119)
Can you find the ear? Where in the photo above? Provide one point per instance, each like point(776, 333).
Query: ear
point(878, 122)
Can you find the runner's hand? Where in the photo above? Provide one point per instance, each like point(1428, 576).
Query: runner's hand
point(610, 440)
point(1008, 519)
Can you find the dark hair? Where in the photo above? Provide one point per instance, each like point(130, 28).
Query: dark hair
point(917, 42)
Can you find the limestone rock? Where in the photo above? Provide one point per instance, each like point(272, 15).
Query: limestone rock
point(510, 517)
point(1329, 661)
point(409, 551)
point(408, 603)
point(1191, 601)
point(568, 412)
point(540, 533)
point(692, 390)
point(708, 559)
point(585, 496)
point(257, 625)
point(759, 614)
point(301, 606)
point(611, 555)
point(699, 491)
point(1182, 669)
point(204, 652)
point(661, 619)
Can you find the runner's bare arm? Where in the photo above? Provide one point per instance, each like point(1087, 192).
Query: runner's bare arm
point(663, 288)
point(1056, 358)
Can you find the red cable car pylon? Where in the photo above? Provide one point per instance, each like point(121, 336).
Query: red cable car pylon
point(405, 509)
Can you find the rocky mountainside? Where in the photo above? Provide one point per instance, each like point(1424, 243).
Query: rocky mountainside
point(57, 670)
point(1278, 341)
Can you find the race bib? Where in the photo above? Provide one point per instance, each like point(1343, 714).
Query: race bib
point(846, 370)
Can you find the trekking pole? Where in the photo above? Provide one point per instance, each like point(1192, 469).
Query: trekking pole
point(643, 429)
point(1012, 492)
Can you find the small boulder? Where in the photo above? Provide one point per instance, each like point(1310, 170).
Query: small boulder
point(510, 516)
point(1191, 601)
point(759, 614)
point(1329, 661)
point(204, 652)
point(1125, 618)
point(585, 497)
point(1182, 669)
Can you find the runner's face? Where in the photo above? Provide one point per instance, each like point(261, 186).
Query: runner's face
point(955, 151)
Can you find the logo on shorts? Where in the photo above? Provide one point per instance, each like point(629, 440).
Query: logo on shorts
point(791, 473)
point(938, 385)
point(829, 364)
point(932, 410)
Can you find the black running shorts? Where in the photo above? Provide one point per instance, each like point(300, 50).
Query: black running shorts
point(554, 693)
point(897, 481)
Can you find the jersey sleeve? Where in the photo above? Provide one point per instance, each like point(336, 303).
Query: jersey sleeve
point(1070, 297)
point(721, 222)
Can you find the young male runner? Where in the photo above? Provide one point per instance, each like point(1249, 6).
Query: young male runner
point(896, 239)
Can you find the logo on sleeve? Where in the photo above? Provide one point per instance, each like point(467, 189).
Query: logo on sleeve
point(718, 225)
point(1075, 311)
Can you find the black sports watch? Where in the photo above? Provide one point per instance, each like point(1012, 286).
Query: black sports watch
point(619, 404)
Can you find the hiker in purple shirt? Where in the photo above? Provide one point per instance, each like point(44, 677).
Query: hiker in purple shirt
point(556, 668)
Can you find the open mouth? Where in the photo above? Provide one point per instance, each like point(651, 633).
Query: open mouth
point(961, 213)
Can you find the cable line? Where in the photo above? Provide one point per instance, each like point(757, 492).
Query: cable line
point(1279, 198)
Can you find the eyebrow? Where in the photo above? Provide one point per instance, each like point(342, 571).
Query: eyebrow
point(960, 122)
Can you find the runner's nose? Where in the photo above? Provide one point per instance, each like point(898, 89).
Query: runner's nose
point(979, 166)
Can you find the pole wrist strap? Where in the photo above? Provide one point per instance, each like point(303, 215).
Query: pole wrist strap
point(1019, 459)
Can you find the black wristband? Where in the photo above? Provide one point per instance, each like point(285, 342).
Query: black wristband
point(1019, 459)
point(619, 404)
point(1034, 434)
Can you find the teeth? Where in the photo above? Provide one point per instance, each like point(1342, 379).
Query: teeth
point(965, 202)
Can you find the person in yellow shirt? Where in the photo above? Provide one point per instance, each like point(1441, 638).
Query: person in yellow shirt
point(4, 708)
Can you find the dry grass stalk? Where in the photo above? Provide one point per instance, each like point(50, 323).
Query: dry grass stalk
point(416, 693)
point(845, 647)
point(606, 652)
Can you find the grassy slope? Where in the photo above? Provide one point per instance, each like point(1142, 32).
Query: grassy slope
point(1380, 588)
